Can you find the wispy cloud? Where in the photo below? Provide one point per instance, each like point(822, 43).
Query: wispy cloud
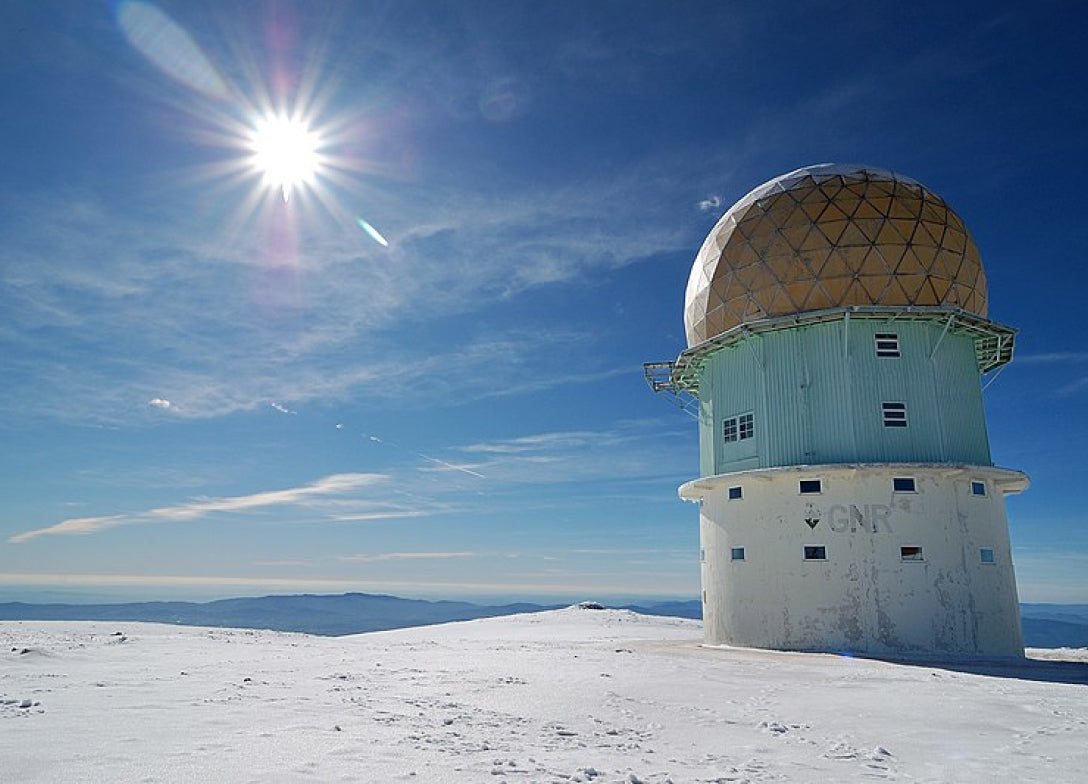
point(335, 484)
point(369, 557)
point(711, 203)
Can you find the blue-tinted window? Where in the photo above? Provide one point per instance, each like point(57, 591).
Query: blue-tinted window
point(735, 493)
point(903, 484)
point(986, 555)
point(811, 486)
point(815, 552)
point(978, 488)
point(736, 553)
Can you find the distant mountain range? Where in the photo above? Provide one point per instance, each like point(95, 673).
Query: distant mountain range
point(1044, 625)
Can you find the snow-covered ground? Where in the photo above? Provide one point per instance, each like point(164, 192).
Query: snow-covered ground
point(569, 695)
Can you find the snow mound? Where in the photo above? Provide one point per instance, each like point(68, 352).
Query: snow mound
point(560, 696)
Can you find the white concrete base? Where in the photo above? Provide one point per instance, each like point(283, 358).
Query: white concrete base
point(869, 595)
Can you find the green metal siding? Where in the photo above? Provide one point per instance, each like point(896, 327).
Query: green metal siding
point(816, 392)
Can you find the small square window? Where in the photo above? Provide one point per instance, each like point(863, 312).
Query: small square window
point(903, 484)
point(910, 553)
point(735, 493)
point(811, 486)
point(895, 414)
point(887, 344)
point(729, 429)
point(978, 488)
point(986, 555)
point(815, 552)
point(747, 425)
point(736, 553)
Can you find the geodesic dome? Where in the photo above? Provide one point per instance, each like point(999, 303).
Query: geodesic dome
point(831, 236)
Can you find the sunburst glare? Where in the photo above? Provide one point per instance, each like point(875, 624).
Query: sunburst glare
point(286, 153)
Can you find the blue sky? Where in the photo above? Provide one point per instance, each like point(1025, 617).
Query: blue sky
point(208, 391)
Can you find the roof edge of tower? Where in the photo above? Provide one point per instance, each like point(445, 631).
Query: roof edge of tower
point(993, 342)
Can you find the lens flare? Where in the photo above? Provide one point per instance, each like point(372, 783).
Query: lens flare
point(374, 233)
point(285, 152)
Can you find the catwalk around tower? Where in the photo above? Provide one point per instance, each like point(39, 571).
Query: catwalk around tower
point(837, 330)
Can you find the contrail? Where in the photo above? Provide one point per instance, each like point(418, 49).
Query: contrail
point(452, 466)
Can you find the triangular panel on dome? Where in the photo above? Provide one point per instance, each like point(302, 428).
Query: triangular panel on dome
point(955, 240)
point(778, 246)
point(785, 267)
point(717, 322)
point(817, 298)
point(795, 235)
point(836, 289)
point(814, 207)
point(893, 255)
point(881, 204)
point(832, 212)
point(870, 227)
point(912, 286)
point(928, 234)
point(926, 255)
point(852, 236)
point(875, 286)
point(880, 189)
point(830, 188)
point(946, 263)
point(909, 263)
point(798, 293)
point(855, 295)
point(940, 288)
point(905, 206)
point(741, 254)
point(752, 277)
point(895, 295)
point(874, 263)
point(832, 230)
point(835, 266)
point(848, 204)
point(889, 234)
point(934, 210)
point(765, 298)
point(854, 256)
point(867, 210)
point(797, 218)
point(904, 227)
point(752, 311)
point(779, 210)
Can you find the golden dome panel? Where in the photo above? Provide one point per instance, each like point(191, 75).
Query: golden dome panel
point(832, 236)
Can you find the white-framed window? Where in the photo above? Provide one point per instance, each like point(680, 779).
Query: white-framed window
point(887, 344)
point(986, 555)
point(810, 486)
point(736, 553)
point(736, 493)
point(739, 428)
point(978, 487)
point(910, 553)
point(895, 414)
point(815, 552)
point(903, 484)
point(746, 423)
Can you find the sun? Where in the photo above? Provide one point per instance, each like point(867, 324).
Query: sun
point(285, 152)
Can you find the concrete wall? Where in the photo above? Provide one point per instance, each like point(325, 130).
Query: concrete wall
point(864, 597)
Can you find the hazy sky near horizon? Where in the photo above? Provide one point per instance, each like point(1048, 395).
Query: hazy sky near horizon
point(421, 373)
